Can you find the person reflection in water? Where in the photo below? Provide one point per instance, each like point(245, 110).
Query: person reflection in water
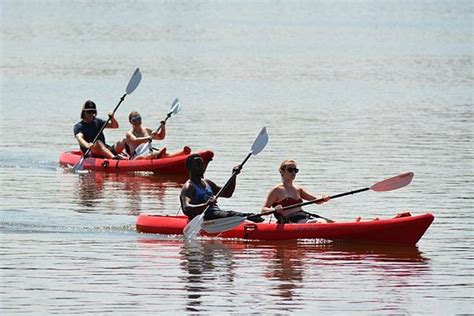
point(286, 194)
point(208, 265)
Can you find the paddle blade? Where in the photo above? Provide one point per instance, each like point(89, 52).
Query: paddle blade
point(193, 228)
point(393, 183)
point(222, 224)
point(260, 142)
point(134, 81)
point(143, 149)
point(78, 166)
point(175, 107)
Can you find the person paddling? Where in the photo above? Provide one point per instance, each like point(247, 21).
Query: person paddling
point(198, 193)
point(286, 194)
point(86, 130)
point(139, 135)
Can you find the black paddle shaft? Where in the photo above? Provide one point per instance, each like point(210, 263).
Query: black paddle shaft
point(150, 139)
point(103, 126)
point(318, 200)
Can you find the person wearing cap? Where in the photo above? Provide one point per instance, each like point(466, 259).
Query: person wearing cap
point(199, 193)
point(139, 135)
point(86, 130)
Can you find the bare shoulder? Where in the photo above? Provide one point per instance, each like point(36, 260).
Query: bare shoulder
point(276, 190)
point(187, 188)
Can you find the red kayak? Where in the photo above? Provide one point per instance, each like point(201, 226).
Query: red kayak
point(172, 164)
point(402, 229)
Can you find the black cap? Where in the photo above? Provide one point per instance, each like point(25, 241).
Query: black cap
point(89, 105)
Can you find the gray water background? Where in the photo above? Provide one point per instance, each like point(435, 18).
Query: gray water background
point(355, 91)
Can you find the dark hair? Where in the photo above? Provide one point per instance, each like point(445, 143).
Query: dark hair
point(189, 160)
point(88, 105)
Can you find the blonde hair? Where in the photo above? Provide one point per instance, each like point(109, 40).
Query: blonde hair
point(286, 162)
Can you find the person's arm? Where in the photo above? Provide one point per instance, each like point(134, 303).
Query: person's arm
point(270, 200)
point(186, 197)
point(162, 134)
point(112, 122)
point(305, 195)
point(82, 142)
point(227, 193)
point(132, 139)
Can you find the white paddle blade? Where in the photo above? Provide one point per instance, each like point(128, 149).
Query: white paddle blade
point(143, 149)
point(260, 142)
point(393, 183)
point(175, 107)
point(79, 165)
point(193, 228)
point(222, 224)
point(134, 81)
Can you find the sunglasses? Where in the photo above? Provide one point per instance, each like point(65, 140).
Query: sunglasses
point(136, 119)
point(292, 170)
point(90, 111)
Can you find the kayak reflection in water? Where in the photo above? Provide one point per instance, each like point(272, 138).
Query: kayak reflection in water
point(198, 193)
point(286, 194)
point(138, 135)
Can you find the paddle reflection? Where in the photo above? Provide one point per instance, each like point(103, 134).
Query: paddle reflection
point(125, 191)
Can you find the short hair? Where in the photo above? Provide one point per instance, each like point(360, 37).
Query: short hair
point(189, 160)
point(132, 114)
point(286, 162)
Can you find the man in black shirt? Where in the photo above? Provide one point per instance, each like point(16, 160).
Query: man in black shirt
point(86, 130)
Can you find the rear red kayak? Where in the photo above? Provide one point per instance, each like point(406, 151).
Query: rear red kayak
point(173, 164)
point(402, 229)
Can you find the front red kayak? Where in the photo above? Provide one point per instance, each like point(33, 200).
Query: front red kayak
point(402, 229)
point(173, 164)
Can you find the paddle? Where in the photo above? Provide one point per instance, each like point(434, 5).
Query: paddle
point(145, 148)
point(132, 85)
point(397, 182)
point(193, 228)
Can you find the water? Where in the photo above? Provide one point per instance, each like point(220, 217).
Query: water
point(356, 92)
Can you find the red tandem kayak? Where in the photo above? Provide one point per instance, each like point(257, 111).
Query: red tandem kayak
point(173, 164)
point(402, 229)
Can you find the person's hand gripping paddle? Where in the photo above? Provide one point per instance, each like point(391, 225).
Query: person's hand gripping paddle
point(132, 85)
point(227, 223)
point(146, 148)
point(193, 228)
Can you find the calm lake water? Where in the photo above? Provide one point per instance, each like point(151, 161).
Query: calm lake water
point(355, 91)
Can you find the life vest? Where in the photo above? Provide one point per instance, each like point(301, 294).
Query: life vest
point(201, 195)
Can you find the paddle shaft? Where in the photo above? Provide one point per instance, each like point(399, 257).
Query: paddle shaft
point(234, 174)
point(150, 139)
point(317, 200)
point(104, 126)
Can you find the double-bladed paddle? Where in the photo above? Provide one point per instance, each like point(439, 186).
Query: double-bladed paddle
point(132, 85)
point(223, 224)
point(193, 228)
point(146, 148)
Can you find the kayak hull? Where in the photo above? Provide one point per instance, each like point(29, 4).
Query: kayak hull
point(402, 229)
point(173, 164)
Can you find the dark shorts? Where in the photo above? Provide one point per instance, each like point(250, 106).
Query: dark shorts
point(214, 213)
point(294, 218)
